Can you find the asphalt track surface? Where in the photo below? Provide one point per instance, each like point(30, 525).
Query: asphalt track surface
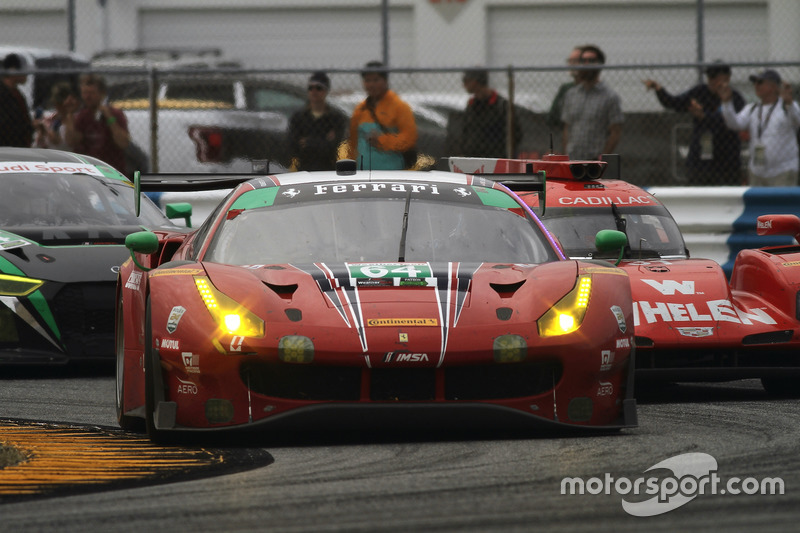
point(410, 482)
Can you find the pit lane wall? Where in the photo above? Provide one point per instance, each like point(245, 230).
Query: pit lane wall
point(717, 222)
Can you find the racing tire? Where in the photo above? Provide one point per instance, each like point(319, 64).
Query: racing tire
point(128, 423)
point(153, 383)
point(782, 387)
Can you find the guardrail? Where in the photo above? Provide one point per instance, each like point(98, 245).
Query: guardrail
point(717, 222)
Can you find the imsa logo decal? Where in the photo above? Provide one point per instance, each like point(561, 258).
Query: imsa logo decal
point(405, 357)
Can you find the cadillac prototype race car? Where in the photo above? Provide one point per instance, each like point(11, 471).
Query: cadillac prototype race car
point(377, 298)
point(691, 324)
point(63, 222)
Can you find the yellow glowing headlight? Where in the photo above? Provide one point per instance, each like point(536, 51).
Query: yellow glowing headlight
point(567, 315)
point(18, 285)
point(229, 314)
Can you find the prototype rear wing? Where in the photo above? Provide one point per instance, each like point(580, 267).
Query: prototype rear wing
point(532, 174)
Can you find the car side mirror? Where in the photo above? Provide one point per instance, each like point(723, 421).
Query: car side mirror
point(610, 240)
point(142, 242)
point(180, 210)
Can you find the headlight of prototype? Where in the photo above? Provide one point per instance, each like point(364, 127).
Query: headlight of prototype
point(566, 315)
point(18, 285)
point(228, 313)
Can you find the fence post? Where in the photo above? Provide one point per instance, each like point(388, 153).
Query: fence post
point(510, 140)
point(153, 94)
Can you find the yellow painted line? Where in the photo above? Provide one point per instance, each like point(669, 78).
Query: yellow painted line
point(58, 457)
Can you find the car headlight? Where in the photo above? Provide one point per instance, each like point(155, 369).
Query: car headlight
point(227, 312)
point(18, 285)
point(567, 315)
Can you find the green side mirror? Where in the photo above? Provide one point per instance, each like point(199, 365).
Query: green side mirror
point(142, 242)
point(609, 240)
point(180, 210)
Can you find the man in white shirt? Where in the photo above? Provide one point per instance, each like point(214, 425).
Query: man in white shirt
point(773, 123)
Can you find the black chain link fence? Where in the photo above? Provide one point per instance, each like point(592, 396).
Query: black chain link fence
point(218, 119)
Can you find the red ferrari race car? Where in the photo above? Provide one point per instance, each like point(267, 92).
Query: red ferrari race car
point(372, 298)
point(690, 323)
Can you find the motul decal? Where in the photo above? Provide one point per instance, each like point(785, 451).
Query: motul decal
point(712, 311)
point(624, 343)
point(669, 287)
point(170, 344)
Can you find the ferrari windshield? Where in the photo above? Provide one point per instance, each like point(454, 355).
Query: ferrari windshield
point(373, 229)
point(651, 230)
point(71, 200)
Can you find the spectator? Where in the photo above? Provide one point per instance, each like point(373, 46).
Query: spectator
point(16, 126)
point(592, 113)
point(486, 120)
point(50, 131)
point(382, 127)
point(773, 123)
point(98, 129)
point(714, 150)
point(316, 130)
point(553, 119)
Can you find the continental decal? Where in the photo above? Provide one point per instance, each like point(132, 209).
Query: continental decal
point(177, 272)
point(600, 270)
point(791, 264)
point(402, 322)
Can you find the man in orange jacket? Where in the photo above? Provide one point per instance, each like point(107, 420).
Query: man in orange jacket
point(382, 127)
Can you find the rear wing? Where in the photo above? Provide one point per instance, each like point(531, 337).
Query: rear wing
point(532, 174)
point(188, 181)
